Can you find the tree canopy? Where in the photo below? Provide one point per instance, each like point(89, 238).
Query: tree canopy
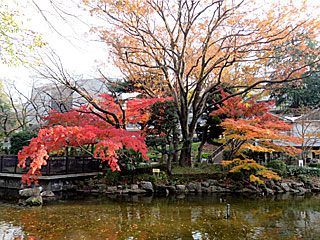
point(15, 40)
point(199, 47)
point(86, 126)
point(249, 127)
point(301, 93)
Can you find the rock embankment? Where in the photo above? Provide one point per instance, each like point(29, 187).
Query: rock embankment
point(209, 186)
point(33, 196)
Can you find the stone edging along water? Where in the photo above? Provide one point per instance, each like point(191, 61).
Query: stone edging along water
point(209, 186)
point(33, 196)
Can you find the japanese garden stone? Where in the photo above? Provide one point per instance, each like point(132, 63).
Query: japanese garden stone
point(160, 188)
point(205, 190)
point(294, 190)
point(309, 184)
point(212, 182)
point(205, 184)
point(214, 189)
point(253, 188)
point(285, 187)
point(301, 189)
point(191, 187)
point(147, 186)
point(29, 192)
point(112, 189)
point(171, 189)
point(198, 187)
point(34, 201)
point(269, 191)
point(278, 189)
point(181, 187)
point(134, 187)
point(137, 191)
point(47, 194)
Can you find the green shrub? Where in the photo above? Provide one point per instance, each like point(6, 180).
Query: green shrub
point(281, 173)
point(316, 165)
point(279, 167)
point(302, 178)
point(277, 164)
point(111, 177)
point(295, 171)
point(20, 139)
point(206, 155)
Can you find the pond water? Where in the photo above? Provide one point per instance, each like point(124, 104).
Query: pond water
point(282, 216)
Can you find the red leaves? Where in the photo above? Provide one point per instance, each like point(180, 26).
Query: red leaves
point(54, 139)
point(235, 107)
point(81, 127)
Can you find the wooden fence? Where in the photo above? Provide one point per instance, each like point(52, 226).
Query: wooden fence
point(56, 165)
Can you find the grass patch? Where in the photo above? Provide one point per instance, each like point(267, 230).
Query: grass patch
point(202, 168)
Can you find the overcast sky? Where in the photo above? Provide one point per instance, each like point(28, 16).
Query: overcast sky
point(79, 50)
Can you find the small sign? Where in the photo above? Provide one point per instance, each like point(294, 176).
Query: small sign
point(300, 163)
point(156, 170)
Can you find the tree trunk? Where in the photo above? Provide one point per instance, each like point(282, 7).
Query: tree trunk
point(203, 142)
point(163, 153)
point(200, 148)
point(185, 156)
point(175, 145)
point(169, 166)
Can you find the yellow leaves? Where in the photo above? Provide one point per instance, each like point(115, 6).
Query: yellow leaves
point(226, 163)
point(251, 169)
point(253, 178)
point(257, 148)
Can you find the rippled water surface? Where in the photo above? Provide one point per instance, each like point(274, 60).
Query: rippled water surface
point(142, 217)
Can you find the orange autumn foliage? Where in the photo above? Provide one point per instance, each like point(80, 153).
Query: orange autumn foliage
point(249, 126)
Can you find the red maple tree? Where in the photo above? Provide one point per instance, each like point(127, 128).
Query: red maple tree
point(103, 125)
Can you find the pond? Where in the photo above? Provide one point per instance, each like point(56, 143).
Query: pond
point(283, 216)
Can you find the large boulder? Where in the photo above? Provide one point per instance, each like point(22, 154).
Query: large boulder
point(205, 184)
point(278, 189)
point(198, 187)
point(29, 192)
point(137, 191)
point(191, 187)
point(147, 186)
point(112, 189)
point(34, 201)
point(162, 189)
point(134, 187)
point(212, 182)
point(253, 188)
point(171, 189)
point(309, 184)
point(214, 189)
point(285, 187)
point(47, 194)
point(268, 191)
point(181, 188)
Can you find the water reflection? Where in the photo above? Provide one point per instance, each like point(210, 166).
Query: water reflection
point(191, 217)
point(9, 231)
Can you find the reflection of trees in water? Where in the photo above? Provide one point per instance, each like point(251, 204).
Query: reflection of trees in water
point(277, 217)
point(284, 217)
point(9, 231)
